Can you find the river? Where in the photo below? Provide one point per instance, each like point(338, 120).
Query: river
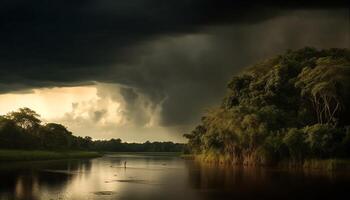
point(161, 176)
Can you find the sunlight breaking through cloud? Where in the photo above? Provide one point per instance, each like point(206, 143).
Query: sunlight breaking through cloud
point(99, 111)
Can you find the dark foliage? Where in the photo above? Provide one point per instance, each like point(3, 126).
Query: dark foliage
point(23, 130)
point(294, 106)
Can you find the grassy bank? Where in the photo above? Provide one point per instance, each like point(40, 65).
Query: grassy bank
point(308, 164)
point(23, 155)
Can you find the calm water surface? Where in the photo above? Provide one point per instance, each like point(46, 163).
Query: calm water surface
point(161, 177)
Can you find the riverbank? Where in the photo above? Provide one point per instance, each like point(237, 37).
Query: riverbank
point(29, 155)
point(308, 164)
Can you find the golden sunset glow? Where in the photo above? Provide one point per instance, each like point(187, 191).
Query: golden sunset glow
point(98, 111)
point(48, 102)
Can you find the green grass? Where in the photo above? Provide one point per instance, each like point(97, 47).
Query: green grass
point(310, 164)
point(27, 155)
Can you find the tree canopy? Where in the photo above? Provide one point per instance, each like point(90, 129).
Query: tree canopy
point(23, 129)
point(293, 106)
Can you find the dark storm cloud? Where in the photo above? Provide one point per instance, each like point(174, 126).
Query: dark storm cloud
point(193, 70)
point(178, 53)
point(136, 108)
point(129, 95)
point(97, 115)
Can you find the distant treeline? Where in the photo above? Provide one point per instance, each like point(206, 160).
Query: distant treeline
point(23, 129)
point(291, 107)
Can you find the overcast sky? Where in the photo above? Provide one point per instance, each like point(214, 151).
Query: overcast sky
point(145, 69)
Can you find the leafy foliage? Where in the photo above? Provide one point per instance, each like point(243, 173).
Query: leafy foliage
point(23, 129)
point(294, 106)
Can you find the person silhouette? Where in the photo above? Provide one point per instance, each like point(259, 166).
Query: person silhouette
point(124, 164)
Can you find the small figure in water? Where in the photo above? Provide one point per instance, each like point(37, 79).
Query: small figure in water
point(124, 164)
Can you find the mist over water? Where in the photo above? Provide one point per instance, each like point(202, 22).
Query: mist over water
point(161, 176)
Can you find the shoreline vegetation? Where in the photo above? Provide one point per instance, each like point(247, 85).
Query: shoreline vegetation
point(36, 155)
point(23, 129)
point(310, 164)
point(291, 110)
point(23, 136)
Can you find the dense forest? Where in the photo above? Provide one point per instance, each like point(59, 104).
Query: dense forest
point(292, 107)
point(23, 129)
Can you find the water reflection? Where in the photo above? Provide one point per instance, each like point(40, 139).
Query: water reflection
point(161, 177)
point(227, 182)
point(32, 180)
